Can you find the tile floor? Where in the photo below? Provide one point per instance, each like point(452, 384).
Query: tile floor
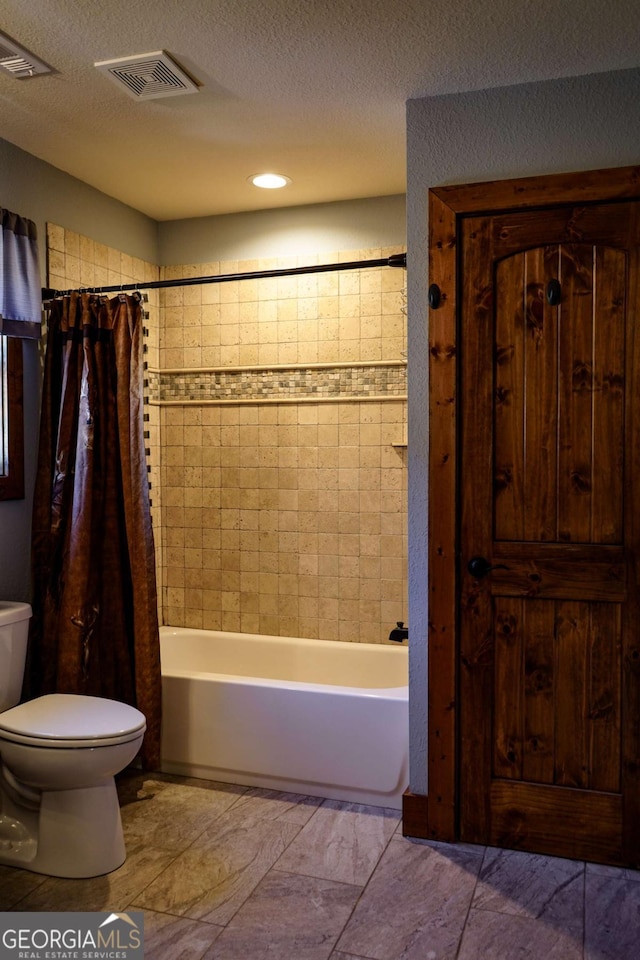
point(225, 872)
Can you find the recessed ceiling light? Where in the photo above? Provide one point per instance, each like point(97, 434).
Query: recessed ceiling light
point(269, 181)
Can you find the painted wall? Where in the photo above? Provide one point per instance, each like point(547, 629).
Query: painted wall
point(579, 123)
point(313, 229)
point(42, 193)
point(37, 190)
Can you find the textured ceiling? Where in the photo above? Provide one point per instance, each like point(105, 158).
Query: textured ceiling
point(315, 89)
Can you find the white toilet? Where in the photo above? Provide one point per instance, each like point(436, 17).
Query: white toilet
point(59, 811)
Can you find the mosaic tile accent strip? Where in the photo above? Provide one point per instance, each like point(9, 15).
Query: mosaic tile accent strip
point(357, 382)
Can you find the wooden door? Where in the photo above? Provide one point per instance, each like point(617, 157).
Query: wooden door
point(549, 538)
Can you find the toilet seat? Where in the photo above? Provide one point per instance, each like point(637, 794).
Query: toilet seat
point(71, 721)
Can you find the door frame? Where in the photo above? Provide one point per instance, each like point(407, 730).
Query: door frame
point(435, 815)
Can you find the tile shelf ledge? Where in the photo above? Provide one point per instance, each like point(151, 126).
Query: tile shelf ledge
point(377, 398)
point(258, 368)
point(402, 443)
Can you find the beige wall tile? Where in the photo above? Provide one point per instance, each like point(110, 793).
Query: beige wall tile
point(285, 518)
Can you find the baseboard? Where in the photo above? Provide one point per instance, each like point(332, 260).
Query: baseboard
point(415, 815)
point(427, 820)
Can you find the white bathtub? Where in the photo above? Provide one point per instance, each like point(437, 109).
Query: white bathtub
point(318, 717)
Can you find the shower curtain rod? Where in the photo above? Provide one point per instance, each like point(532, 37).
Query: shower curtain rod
point(395, 260)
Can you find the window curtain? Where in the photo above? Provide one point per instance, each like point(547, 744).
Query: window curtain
point(94, 628)
point(20, 285)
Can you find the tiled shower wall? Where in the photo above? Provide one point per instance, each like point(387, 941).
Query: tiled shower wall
point(283, 457)
point(276, 434)
point(285, 519)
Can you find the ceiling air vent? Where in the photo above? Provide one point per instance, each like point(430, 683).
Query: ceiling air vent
point(17, 61)
point(148, 76)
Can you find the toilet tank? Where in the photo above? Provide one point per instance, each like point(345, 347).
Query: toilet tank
point(14, 632)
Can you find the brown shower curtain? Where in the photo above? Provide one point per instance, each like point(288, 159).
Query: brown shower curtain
point(95, 623)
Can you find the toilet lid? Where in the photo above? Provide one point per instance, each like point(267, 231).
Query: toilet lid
point(59, 718)
point(12, 612)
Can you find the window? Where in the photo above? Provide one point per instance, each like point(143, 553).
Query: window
point(11, 420)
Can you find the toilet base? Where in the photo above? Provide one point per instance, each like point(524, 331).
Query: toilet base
point(73, 833)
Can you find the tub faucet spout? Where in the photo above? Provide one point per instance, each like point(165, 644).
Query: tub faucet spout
point(400, 632)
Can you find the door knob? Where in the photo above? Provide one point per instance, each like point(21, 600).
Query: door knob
point(479, 567)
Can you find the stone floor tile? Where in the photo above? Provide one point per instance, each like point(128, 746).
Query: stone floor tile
point(612, 918)
point(339, 955)
point(531, 885)
point(622, 873)
point(277, 805)
point(288, 917)
point(341, 841)
point(227, 872)
point(212, 878)
point(415, 904)
point(176, 812)
point(16, 884)
point(114, 891)
point(500, 936)
point(176, 938)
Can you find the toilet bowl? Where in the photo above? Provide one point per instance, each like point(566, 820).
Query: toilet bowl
point(59, 810)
